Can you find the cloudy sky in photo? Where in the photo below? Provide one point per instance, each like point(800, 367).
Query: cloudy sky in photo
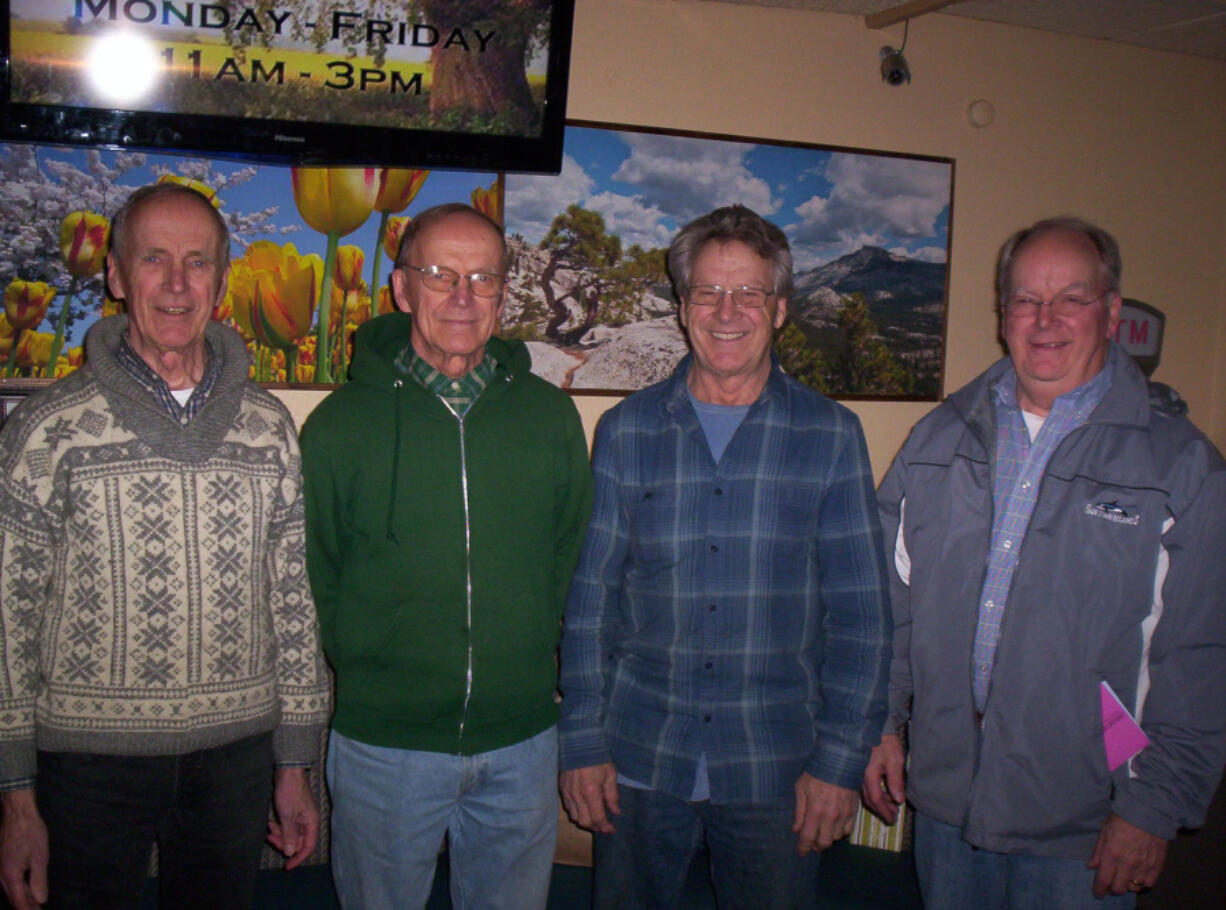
point(829, 202)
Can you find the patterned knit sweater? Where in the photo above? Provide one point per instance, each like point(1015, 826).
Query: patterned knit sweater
point(153, 592)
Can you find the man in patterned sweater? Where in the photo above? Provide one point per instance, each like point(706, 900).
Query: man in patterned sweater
point(159, 641)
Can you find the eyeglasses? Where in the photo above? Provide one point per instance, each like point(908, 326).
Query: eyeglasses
point(1022, 305)
point(444, 280)
point(744, 297)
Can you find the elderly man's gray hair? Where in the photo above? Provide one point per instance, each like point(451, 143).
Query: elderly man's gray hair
point(724, 225)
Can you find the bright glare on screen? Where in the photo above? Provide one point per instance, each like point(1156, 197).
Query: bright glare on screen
point(122, 66)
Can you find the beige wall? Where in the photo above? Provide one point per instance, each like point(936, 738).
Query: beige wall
point(1131, 138)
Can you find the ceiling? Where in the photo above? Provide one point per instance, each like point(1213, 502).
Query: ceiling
point(1196, 27)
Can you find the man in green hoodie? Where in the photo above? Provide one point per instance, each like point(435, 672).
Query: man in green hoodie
point(447, 492)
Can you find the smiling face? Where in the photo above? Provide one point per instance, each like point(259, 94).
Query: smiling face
point(1052, 354)
point(171, 275)
point(450, 328)
point(731, 346)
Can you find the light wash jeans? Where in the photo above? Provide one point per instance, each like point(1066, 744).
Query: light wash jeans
point(391, 808)
point(954, 875)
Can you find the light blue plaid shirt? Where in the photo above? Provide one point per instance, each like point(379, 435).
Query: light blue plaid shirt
point(735, 609)
point(1020, 464)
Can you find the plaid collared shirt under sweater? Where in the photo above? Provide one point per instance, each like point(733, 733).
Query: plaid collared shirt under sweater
point(1019, 468)
point(148, 379)
point(735, 609)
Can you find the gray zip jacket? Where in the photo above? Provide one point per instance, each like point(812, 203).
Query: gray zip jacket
point(1121, 577)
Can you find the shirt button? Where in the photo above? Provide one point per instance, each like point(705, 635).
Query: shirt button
point(989, 603)
point(708, 665)
point(706, 718)
point(455, 387)
point(714, 548)
point(711, 608)
point(983, 668)
point(1007, 544)
point(719, 491)
point(1026, 485)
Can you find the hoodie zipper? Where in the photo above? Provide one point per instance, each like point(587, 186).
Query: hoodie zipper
point(468, 573)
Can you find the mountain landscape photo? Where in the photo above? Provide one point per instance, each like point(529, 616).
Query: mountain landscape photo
point(589, 292)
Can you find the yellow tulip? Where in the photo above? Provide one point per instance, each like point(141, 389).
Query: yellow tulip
point(26, 302)
point(6, 335)
point(240, 292)
point(489, 202)
point(224, 311)
point(267, 256)
point(397, 187)
point(83, 238)
point(34, 349)
point(202, 188)
point(385, 300)
point(111, 306)
point(347, 270)
point(391, 237)
point(306, 350)
point(349, 302)
point(285, 298)
point(335, 200)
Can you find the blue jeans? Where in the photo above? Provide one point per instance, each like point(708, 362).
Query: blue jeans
point(207, 811)
point(954, 875)
point(391, 808)
point(754, 863)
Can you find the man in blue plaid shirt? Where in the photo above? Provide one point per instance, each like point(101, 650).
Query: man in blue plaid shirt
point(725, 646)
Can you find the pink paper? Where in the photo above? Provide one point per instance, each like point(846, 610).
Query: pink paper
point(1122, 736)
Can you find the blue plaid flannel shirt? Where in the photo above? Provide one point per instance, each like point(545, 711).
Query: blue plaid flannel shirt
point(738, 610)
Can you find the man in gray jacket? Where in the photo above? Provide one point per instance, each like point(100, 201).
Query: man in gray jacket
point(1055, 541)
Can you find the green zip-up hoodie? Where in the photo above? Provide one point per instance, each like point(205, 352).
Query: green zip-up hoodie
point(410, 511)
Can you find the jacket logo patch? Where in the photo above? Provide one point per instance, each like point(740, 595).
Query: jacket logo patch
point(1112, 511)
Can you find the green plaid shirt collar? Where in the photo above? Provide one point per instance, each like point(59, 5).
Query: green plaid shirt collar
point(458, 393)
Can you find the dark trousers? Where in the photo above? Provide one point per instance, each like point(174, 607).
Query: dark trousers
point(754, 863)
point(206, 810)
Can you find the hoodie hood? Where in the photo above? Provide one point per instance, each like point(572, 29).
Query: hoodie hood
point(379, 341)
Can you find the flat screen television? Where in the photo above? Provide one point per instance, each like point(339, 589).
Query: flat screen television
point(466, 84)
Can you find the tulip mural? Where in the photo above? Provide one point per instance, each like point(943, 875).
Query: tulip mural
point(83, 244)
point(297, 305)
point(397, 188)
point(25, 305)
point(334, 201)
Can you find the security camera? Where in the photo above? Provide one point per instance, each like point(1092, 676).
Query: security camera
point(894, 69)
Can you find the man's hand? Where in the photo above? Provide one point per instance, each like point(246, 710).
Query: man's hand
point(1127, 858)
point(824, 813)
point(883, 790)
point(23, 851)
point(296, 827)
point(587, 793)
